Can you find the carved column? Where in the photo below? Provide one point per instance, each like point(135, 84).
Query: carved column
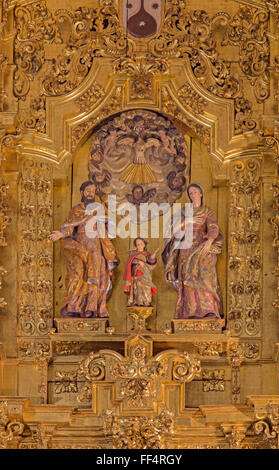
point(245, 250)
point(35, 259)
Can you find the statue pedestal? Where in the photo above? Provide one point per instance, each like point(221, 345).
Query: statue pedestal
point(207, 325)
point(74, 325)
point(138, 315)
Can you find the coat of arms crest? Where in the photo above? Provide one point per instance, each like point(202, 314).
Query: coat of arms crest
point(141, 18)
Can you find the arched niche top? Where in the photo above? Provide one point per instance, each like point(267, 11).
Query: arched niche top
point(177, 94)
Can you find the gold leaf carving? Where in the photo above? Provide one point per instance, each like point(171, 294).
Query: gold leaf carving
point(138, 432)
point(88, 99)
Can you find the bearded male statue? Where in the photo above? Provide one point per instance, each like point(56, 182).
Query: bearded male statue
point(90, 261)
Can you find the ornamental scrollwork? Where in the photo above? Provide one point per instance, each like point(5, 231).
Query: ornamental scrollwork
point(98, 32)
point(112, 105)
point(138, 365)
point(35, 27)
point(191, 33)
point(273, 6)
point(248, 30)
point(170, 107)
point(95, 32)
point(10, 428)
point(266, 427)
point(192, 99)
point(139, 432)
point(92, 368)
point(35, 117)
point(185, 368)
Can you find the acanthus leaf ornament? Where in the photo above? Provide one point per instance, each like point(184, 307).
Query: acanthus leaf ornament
point(248, 30)
point(35, 27)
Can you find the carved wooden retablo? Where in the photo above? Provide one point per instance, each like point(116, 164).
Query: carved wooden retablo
point(139, 100)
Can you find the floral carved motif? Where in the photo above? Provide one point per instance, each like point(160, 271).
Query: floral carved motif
point(192, 99)
point(209, 348)
point(112, 105)
point(68, 348)
point(30, 349)
point(139, 432)
point(170, 107)
point(141, 71)
point(245, 247)
point(213, 380)
point(66, 382)
point(88, 99)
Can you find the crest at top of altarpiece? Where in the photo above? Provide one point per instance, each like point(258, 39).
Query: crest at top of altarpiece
point(141, 18)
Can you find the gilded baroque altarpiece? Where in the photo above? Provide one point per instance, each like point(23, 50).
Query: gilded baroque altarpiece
point(211, 68)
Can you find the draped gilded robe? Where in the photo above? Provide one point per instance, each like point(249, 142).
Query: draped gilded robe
point(89, 262)
point(194, 274)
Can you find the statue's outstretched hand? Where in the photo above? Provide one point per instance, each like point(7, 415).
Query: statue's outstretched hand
point(154, 253)
point(56, 235)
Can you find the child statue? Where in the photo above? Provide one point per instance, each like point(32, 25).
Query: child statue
point(138, 275)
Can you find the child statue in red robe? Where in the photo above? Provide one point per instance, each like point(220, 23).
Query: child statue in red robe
point(138, 275)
